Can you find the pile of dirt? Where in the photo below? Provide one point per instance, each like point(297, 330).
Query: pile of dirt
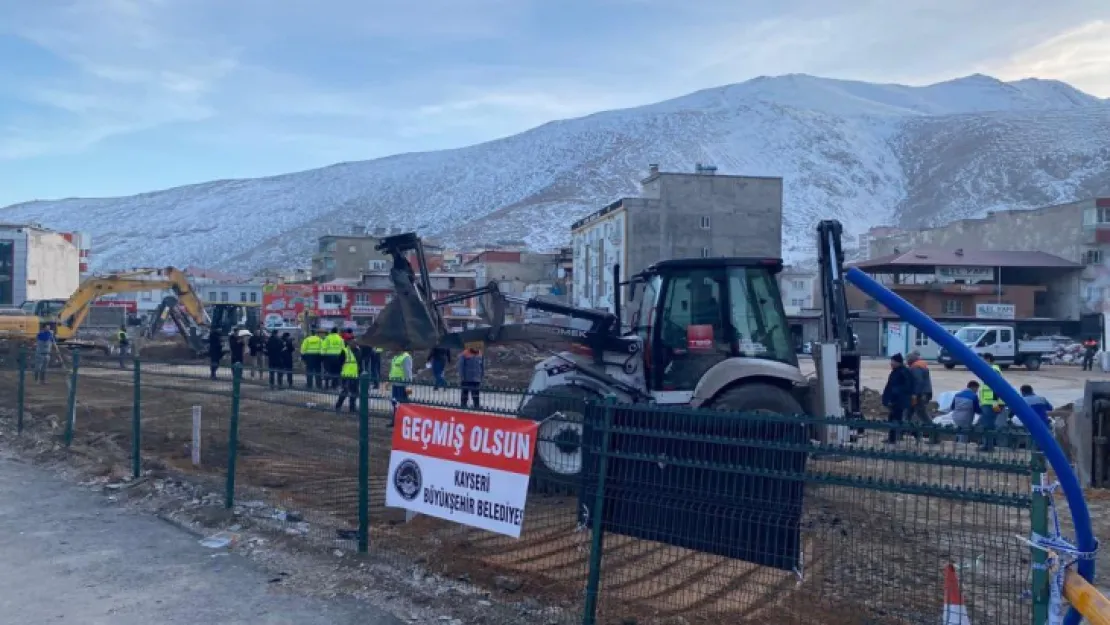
point(166, 350)
point(871, 404)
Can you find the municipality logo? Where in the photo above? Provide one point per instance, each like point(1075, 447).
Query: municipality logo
point(407, 479)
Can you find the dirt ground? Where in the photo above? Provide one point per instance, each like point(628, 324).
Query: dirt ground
point(297, 469)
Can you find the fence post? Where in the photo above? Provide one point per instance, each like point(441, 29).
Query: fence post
point(233, 434)
point(1038, 521)
point(136, 426)
point(20, 396)
point(71, 405)
point(364, 462)
point(593, 579)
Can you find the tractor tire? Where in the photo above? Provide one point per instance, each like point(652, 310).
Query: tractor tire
point(557, 467)
point(949, 366)
point(757, 397)
point(1033, 363)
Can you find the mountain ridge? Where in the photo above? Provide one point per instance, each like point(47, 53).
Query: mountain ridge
point(861, 152)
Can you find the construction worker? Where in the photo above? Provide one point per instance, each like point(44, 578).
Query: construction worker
point(311, 351)
point(990, 408)
point(124, 346)
point(400, 371)
point(348, 374)
point(44, 346)
point(1090, 348)
point(333, 357)
point(371, 358)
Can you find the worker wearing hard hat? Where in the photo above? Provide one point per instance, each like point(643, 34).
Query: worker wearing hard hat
point(312, 350)
point(333, 358)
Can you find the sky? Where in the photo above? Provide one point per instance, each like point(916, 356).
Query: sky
point(101, 98)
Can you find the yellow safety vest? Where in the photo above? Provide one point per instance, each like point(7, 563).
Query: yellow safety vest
point(333, 345)
point(986, 395)
point(312, 346)
point(122, 336)
point(350, 364)
point(397, 367)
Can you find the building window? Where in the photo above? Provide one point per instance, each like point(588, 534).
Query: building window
point(223, 296)
point(243, 296)
point(254, 297)
point(1092, 257)
point(333, 299)
point(362, 299)
point(211, 296)
point(329, 263)
point(1103, 215)
point(376, 265)
point(705, 222)
point(351, 249)
point(920, 339)
point(705, 252)
point(330, 247)
point(798, 303)
point(797, 284)
point(953, 307)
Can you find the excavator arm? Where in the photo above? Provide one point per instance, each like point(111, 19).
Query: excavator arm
point(76, 308)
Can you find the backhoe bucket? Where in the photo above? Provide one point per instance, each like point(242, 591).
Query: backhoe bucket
point(405, 323)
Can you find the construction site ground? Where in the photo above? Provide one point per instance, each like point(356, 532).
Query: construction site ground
point(296, 457)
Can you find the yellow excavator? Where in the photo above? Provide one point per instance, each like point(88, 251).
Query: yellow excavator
point(66, 316)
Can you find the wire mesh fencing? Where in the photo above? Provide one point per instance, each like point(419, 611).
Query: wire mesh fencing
point(634, 513)
point(752, 518)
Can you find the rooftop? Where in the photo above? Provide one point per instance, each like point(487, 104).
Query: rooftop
point(932, 256)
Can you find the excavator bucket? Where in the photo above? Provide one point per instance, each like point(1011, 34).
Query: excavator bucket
point(407, 322)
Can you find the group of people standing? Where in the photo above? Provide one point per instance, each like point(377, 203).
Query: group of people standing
point(333, 360)
point(909, 389)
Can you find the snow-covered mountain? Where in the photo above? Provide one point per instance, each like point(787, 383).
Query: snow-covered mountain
point(860, 152)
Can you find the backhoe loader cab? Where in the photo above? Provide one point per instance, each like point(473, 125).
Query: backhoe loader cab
point(701, 317)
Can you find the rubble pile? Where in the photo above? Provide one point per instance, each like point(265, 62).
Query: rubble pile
point(1070, 354)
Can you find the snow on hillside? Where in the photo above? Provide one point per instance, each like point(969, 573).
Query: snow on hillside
point(863, 153)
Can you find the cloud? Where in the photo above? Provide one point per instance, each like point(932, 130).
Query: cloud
point(1079, 56)
point(347, 79)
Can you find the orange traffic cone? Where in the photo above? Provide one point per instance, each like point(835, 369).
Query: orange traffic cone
point(955, 613)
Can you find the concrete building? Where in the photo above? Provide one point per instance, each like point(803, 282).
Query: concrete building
point(513, 270)
point(799, 288)
point(1077, 231)
point(678, 215)
point(370, 295)
point(36, 264)
point(1035, 291)
point(346, 257)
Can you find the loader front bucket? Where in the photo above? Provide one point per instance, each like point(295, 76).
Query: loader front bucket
point(405, 323)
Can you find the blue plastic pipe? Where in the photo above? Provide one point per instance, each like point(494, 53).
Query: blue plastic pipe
point(1069, 483)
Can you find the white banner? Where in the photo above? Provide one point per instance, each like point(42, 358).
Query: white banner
point(465, 467)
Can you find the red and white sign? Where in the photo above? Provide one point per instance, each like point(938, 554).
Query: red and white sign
point(699, 337)
point(470, 468)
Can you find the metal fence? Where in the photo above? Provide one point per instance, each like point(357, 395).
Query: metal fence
point(635, 514)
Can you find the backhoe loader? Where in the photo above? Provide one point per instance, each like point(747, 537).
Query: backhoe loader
point(704, 333)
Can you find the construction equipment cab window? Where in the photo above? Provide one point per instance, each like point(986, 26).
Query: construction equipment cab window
point(694, 318)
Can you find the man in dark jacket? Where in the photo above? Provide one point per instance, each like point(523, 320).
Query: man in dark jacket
point(439, 357)
point(1090, 348)
point(288, 350)
point(275, 355)
point(255, 344)
point(235, 346)
point(471, 372)
point(897, 395)
point(215, 351)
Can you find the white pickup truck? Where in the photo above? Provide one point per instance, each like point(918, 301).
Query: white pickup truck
point(1002, 343)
